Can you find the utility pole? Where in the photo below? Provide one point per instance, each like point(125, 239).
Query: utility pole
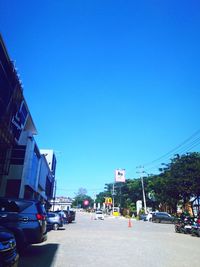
point(143, 191)
point(94, 206)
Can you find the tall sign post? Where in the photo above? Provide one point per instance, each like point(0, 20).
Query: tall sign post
point(119, 177)
point(113, 195)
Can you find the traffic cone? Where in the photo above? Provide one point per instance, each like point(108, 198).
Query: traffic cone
point(129, 223)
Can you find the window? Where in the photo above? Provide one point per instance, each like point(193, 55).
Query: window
point(18, 155)
point(23, 113)
point(12, 188)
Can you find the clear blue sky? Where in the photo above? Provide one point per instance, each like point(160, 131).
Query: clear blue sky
point(110, 84)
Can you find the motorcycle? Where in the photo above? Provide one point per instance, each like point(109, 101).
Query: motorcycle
point(184, 225)
point(195, 231)
point(179, 226)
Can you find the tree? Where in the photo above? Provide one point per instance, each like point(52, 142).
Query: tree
point(81, 199)
point(177, 183)
point(81, 191)
point(185, 172)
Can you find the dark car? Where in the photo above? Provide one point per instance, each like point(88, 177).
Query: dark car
point(54, 220)
point(72, 215)
point(25, 218)
point(163, 217)
point(8, 252)
point(69, 215)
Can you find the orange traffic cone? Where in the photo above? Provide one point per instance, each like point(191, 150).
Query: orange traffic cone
point(129, 223)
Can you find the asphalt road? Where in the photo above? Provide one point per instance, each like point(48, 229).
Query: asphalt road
point(91, 243)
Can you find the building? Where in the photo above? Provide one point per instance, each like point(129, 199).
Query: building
point(61, 203)
point(24, 171)
point(50, 158)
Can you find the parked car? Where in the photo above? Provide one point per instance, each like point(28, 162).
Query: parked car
point(99, 215)
point(8, 252)
point(72, 216)
point(69, 214)
point(26, 219)
point(164, 217)
point(54, 220)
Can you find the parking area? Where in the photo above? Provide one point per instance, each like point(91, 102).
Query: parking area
point(112, 242)
point(45, 254)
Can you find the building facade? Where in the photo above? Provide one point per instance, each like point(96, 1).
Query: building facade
point(24, 171)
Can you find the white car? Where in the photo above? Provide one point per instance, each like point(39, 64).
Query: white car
point(99, 215)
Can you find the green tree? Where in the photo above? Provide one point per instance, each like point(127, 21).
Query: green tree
point(81, 198)
point(176, 183)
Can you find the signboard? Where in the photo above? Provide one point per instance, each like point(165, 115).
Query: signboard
point(19, 120)
point(108, 201)
point(139, 206)
point(86, 202)
point(120, 175)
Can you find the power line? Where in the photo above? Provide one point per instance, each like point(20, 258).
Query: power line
point(187, 145)
point(181, 148)
point(193, 144)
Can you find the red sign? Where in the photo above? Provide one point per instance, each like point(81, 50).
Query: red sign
point(86, 202)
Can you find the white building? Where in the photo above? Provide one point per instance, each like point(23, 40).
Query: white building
point(61, 203)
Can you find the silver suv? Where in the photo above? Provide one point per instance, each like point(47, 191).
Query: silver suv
point(54, 221)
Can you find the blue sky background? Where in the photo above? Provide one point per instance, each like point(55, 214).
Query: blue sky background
point(110, 84)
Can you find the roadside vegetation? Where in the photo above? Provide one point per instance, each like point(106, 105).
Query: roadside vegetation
point(177, 184)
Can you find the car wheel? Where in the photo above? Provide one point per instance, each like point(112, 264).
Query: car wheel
point(55, 226)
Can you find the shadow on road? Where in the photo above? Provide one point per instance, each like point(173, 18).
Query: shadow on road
point(35, 255)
